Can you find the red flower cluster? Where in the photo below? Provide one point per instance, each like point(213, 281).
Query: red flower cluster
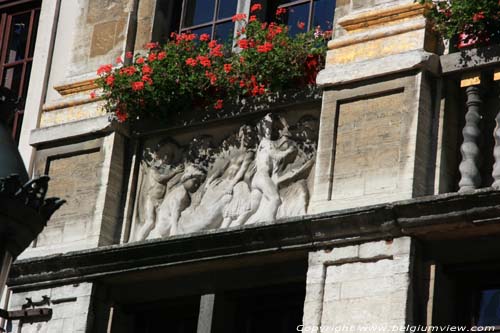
point(204, 37)
point(104, 69)
point(255, 7)
point(266, 47)
point(239, 17)
point(197, 71)
point(280, 11)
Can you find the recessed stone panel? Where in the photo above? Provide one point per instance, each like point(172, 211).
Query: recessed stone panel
point(368, 143)
point(77, 179)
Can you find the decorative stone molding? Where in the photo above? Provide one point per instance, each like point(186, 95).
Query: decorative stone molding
point(76, 87)
point(380, 16)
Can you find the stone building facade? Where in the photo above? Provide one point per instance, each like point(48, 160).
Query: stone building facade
point(368, 204)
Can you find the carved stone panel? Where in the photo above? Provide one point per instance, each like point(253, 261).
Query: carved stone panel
point(256, 172)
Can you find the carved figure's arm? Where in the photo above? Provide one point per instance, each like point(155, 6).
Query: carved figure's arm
point(295, 174)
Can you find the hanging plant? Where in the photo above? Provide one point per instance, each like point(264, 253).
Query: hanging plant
point(475, 22)
point(192, 71)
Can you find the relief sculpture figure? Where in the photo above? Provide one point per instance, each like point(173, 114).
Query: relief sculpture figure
point(157, 174)
point(229, 168)
point(257, 174)
point(265, 198)
point(177, 200)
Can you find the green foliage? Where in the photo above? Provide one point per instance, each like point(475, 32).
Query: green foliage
point(478, 19)
point(193, 71)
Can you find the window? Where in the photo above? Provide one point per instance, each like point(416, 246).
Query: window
point(214, 16)
point(18, 26)
point(311, 13)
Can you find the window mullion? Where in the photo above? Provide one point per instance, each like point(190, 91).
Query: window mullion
point(183, 14)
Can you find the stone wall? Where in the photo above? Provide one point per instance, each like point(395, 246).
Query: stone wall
point(70, 304)
point(360, 286)
point(88, 174)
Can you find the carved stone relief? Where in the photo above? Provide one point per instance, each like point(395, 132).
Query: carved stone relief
point(259, 173)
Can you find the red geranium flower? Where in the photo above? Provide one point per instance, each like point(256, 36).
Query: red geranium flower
point(119, 60)
point(147, 79)
point(152, 45)
point(162, 55)
point(301, 25)
point(152, 57)
point(191, 62)
point(104, 69)
point(239, 17)
point(227, 68)
point(129, 55)
point(92, 95)
point(252, 18)
point(110, 80)
point(264, 48)
point(130, 70)
point(218, 105)
point(243, 43)
point(255, 7)
point(140, 60)
point(280, 11)
point(137, 86)
point(205, 37)
point(478, 17)
point(146, 70)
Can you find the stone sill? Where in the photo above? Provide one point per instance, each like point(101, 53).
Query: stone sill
point(471, 60)
point(246, 107)
point(434, 218)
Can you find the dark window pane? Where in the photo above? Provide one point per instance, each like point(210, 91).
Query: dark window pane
point(268, 12)
point(198, 12)
point(18, 36)
point(296, 18)
point(204, 30)
point(33, 34)
point(224, 31)
point(26, 80)
point(12, 78)
point(227, 8)
point(489, 310)
point(323, 11)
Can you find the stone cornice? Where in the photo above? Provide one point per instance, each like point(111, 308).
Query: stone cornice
point(443, 217)
point(76, 87)
point(380, 16)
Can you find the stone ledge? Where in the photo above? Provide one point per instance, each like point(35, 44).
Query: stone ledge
point(69, 131)
point(442, 217)
point(368, 69)
point(470, 60)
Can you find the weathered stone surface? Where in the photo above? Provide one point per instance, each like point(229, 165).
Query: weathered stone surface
point(364, 70)
point(372, 289)
point(70, 304)
point(257, 174)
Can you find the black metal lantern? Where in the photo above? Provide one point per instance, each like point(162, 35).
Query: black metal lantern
point(24, 210)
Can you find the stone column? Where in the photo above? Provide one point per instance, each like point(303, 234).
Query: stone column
point(471, 156)
point(360, 288)
point(496, 135)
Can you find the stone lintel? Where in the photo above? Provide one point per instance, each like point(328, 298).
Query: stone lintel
point(443, 217)
point(380, 16)
point(368, 69)
point(72, 130)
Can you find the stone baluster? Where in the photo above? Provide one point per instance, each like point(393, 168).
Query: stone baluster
point(471, 157)
point(496, 135)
